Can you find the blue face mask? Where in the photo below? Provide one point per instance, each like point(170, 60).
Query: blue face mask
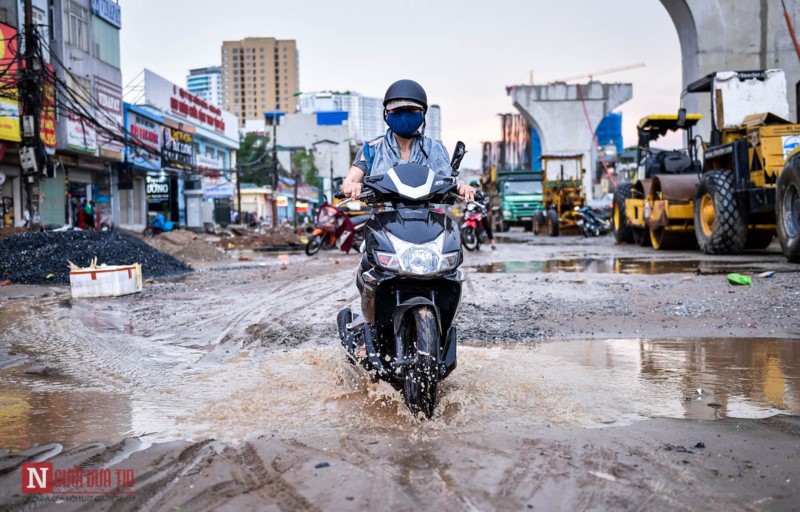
point(405, 123)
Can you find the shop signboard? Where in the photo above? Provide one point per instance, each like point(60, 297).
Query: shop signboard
point(47, 119)
point(81, 134)
point(168, 97)
point(157, 188)
point(109, 11)
point(176, 148)
point(9, 105)
point(308, 192)
point(215, 183)
point(108, 97)
point(148, 134)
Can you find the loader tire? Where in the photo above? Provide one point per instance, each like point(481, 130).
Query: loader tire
point(552, 223)
point(622, 231)
point(718, 223)
point(787, 210)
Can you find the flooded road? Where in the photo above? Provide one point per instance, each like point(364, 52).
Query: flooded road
point(305, 391)
point(602, 383)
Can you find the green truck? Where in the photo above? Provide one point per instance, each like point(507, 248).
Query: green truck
point(516, 196)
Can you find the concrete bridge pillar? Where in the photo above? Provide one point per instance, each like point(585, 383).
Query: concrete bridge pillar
point(734, 35)
point(556, 111)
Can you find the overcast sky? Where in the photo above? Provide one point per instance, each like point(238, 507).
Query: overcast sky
point(463, 52)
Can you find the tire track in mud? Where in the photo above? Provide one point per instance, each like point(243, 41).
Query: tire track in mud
point(276, 316)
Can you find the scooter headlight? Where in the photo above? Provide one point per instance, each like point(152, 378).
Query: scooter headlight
point(419, 259)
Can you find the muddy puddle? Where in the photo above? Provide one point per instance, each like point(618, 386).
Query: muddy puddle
point(164, 393)
point(623, 266)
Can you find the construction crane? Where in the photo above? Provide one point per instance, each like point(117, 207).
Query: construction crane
point(591, 76)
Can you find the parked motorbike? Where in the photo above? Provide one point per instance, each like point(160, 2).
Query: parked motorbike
point(592, 223)
point(409, 282)
point(472, 232)
point(335, 229)
point(159, 225)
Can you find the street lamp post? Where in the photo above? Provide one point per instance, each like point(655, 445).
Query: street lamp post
point(273, 117)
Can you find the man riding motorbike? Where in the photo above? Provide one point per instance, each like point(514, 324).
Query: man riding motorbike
point(483, 200)
point(405, 104)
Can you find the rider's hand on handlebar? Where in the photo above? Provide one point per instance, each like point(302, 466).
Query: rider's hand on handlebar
point(353, 190)
point(466, 192)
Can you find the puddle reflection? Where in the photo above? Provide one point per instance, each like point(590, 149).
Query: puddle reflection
point(700, 378)
point(617, 266)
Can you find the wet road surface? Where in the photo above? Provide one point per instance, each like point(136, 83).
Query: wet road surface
point(595, 366)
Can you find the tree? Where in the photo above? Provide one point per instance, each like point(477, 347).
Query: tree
point(255, 159)
point(303, 164)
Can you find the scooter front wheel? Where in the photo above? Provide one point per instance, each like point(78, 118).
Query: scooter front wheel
point(313, 246)
point(422, 375)
point(148, 231)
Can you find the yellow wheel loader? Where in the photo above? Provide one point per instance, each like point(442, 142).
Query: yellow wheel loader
point(734, 205)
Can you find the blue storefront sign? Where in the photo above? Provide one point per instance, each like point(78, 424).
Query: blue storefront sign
point(109, 11)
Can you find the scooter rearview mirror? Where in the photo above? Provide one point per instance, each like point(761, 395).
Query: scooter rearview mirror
point(458, 155)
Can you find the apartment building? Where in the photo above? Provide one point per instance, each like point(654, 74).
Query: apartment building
point(206, 83)
point(259, 74)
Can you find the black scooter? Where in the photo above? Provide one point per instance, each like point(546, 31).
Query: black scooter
point(592, 223)
point(409, 282)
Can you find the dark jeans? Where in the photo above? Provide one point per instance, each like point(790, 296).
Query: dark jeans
point(487, 226)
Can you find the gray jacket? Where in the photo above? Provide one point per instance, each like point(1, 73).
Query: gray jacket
point(424, 151)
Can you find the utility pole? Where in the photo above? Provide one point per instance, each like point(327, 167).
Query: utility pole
point(274, 171)
point(30, 151)
point(273, 117)
point(239, 189)
point(297, 178)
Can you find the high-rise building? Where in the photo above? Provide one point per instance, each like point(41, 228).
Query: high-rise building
point(365, 113)
point(433, 122)
point(206, 83)
point(259, 74)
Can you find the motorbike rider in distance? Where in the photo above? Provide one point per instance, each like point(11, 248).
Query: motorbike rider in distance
point(405, 105)
point(483, 200)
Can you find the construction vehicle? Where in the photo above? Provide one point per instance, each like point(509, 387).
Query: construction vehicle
point(787, 205)
point(750, 138)
point(562, 186)
point(733, 200)
point(656, 209)
point(515, 197)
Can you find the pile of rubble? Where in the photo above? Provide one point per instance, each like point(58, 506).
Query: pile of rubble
point(41, 258)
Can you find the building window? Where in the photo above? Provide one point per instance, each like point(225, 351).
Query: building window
point(77, 26)
point(106, 41)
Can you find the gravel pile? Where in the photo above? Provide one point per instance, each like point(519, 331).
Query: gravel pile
point(30, 257)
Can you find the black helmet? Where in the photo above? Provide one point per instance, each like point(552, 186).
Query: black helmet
point(406, 90)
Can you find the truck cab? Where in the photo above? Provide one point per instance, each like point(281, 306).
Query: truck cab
point(515, 199)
